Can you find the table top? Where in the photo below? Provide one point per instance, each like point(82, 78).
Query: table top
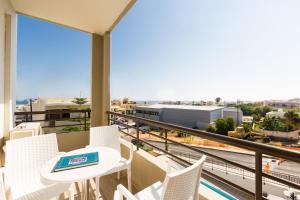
point(108, 159)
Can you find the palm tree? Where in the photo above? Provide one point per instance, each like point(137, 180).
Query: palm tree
point(80, 101)
point(218, 100)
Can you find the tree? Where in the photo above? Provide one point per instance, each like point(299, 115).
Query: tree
point(221, 126)
point(218, 100)
point(291, 116)
point(211, 129)
point(80, 101)
point(125, 100)
point(230, 124)
point(256, 118)
point(247, 127)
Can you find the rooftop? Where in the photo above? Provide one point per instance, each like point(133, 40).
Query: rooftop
point(59, 101)
point(183, 107)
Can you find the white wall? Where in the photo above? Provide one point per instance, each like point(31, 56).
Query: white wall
point(7, 77)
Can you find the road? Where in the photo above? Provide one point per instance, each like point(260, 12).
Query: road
point(286, 167)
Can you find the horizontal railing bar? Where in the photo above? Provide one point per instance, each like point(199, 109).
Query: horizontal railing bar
point(57, 119)
point(51, 112)
point(208, 173)
point(256, 147)
point(280, 180)
point(62, 125)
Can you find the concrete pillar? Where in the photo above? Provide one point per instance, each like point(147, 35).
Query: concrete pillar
point(8, 21)
point(100, 86)
point(9, 73)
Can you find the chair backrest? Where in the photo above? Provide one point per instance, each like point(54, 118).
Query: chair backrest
point(21, 134)
point(107, 136)
point(183, 184)
point(27, 155)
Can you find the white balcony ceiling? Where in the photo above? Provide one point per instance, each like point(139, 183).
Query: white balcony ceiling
point(93, 16)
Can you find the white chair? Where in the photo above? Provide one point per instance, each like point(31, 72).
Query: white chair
point(109, 136)
point(24, 159)
point(178, 185)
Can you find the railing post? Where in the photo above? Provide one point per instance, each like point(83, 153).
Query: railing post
point(166, 141)
point(127, 126)
point(258, 176)
point(85, 126)
point(108, 119)
point(138, 135)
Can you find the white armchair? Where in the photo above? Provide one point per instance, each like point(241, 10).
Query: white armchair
point(24, 159)
point(178, 185)
point(109, 136)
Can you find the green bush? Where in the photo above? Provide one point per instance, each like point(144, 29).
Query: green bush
point(277, 124)
point(247, 127)
point(224, 125)
point(211, 129)
point(230, 124)
point(221, 126)
point(71, 129)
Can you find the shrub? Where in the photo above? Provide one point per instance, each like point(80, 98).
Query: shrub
point(211, 129)
point(221, 126)
point(71, 129)
point(230, 124)
point(247, 127)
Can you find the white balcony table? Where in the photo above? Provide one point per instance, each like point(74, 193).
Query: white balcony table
point(108, 159)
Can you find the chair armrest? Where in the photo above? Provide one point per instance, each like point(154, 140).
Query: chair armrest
point(61, 153)
point(123, 192)
point(131, 147)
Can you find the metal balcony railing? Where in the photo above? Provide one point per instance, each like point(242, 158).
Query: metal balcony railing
point(259, 149)
point(52, 116)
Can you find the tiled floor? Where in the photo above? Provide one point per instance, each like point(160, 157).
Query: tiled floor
point(108, 185)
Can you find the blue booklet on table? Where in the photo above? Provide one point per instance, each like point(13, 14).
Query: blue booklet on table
point(76, 161)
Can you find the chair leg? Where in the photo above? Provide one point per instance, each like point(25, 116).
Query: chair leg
point(129, 179)
point(97, 188)
point(71, 192)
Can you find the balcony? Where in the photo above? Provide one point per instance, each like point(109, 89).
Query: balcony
point(239, 180)
point(223, 176)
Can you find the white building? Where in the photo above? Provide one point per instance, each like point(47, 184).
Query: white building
point(277, 114)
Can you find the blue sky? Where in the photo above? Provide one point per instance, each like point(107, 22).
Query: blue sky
point(173, 50)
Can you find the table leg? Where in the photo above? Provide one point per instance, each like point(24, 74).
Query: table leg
point(84, 194)
point(87, 189)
